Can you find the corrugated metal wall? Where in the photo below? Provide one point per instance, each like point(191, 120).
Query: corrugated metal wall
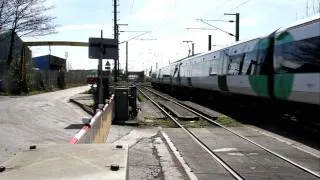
point(47, 80)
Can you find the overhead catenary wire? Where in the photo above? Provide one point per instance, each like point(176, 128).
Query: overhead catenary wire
point(131, 9)
point(223, 4)
point(161, 25)
point(234, 8)
point(130, 12)
point(217, 28)
point(242, 4)
point(219, 18)
point(219, 6)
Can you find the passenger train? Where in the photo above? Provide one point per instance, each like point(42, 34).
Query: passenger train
point(280, 69)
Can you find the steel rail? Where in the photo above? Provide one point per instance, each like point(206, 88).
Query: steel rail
point(197, 140)
point(241, 136)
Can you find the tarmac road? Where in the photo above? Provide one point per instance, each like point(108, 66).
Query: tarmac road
point(38, 119)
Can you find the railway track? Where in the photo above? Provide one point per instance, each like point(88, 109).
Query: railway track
point(155, 97)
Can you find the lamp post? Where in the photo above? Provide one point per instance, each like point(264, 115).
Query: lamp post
point(237, 21)
point(116, 36)
point(237, 24)
point(188, 41)
point(209, 36)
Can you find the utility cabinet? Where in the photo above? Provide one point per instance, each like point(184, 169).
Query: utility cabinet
point(121, 104)
point(133, 99)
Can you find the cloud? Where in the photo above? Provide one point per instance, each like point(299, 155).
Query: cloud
point(144, 54)
point(167, 19)
point(248, 21)
point(155, 10)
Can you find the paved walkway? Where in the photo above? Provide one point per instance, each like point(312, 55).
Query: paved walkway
point(47, 118)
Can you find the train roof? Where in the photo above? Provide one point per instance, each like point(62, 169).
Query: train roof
point(209, 52)
point(301, 21)
point(297, 23)
point(184, 58)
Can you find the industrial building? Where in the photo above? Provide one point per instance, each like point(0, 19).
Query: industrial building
point(49, 62)
point(6, 82)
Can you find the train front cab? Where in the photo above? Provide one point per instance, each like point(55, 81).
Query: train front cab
point(297, 68)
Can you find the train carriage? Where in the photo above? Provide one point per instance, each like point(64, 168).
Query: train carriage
point(282, 67)
point(297, 62)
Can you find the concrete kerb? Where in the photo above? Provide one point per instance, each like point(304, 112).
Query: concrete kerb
point(82, 106)
point(98, 128)
point(176, 153)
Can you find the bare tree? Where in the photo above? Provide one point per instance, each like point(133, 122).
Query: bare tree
point(25, 18)
point(5, 13)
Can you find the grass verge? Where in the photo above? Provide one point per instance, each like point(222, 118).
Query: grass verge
point(227, 121)
point(196, 123)
point(155, 122)
point(140, 97)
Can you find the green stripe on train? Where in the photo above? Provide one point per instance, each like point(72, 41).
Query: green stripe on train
point(259, 84)
point(284, 37)
point(283, 84)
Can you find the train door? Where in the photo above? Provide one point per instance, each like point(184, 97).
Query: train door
point(159, 76)
point(222, 77)
point(179, 74)
point(262, 79)
point(176, 74)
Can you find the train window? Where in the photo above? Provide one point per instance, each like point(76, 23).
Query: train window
point(194, 69)
point(186, 69)
point(200, 68)
point(175, 70)
point(261, 60)
point(206, 68)
point(197, 69)
point(189, 69)
point(248, 66)
point(223, 62)
point(260, 65)
point(235, 64)
point(182, 70)
point(298, 56)
point(213, 67)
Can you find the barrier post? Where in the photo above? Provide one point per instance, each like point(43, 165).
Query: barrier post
point(98, 129)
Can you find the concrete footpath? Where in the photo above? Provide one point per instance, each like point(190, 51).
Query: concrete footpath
point(84, 101)
point(149, 155)
point(47, 118)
